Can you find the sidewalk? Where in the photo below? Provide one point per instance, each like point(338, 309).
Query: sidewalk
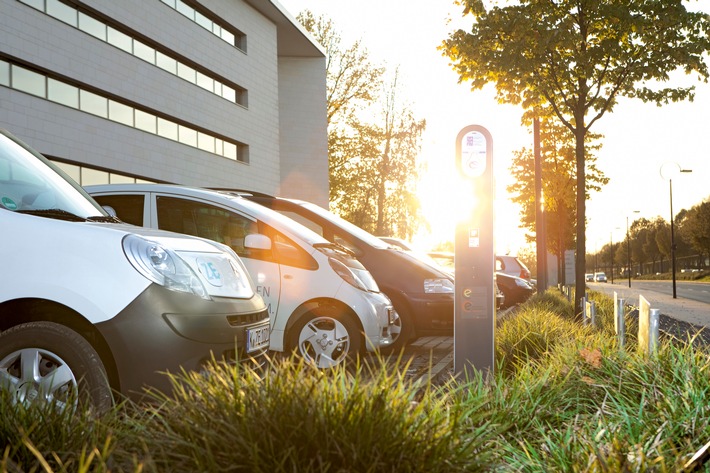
point(694, 312)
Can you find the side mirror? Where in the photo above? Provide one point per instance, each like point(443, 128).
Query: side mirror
point(110, 210)
point(257, 241)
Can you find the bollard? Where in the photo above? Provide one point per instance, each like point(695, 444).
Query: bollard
point(583, 304)
point(620, 321)
point(653, 329)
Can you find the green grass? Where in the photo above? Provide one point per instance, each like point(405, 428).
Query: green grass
point(564, 397)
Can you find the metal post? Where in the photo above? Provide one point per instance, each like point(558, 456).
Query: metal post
point(628, 247)
point(583, 303)
point(620, 321)
point(670, 186)
point(611, 257)
point(593, 312)
point(653, 330)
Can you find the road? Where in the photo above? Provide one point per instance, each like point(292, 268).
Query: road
point(691, 305)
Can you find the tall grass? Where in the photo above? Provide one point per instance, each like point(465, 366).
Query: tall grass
point(564, 398)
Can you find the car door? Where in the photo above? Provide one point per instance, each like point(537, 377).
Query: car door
point(210, 220)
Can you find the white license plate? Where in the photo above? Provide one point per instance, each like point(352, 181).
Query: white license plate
point(257, 338)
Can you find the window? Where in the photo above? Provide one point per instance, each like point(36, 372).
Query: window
point(146, 121)
point(28, 81)
point(35, 83)
point(207, 221)
point(120, 113)
point(92, 103)
point(92, 26)
point(129, 208)
point(120, 40)
point(143, 51)
point(100, 30)
point(62, 93)
point(90, 177)
point(62, 12)
point(4, 73)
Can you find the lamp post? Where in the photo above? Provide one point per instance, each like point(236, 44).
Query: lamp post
point(628, 247)
point(668, 170)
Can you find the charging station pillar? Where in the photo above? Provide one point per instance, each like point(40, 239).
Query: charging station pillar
point(474, 262)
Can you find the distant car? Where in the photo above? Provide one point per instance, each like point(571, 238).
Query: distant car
point(599, 277)
point(589, 277)
point(515, 290)
point(512, 266)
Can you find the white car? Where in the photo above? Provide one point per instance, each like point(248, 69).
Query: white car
point(322, 301)
point(93, 306)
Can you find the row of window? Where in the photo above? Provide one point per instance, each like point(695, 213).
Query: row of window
point(85, 176)
point(32, 82)
point(98, 29)
point(237, 40)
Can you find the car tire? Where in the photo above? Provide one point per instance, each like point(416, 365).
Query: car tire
point(403, 329)
point(326, 337)
point(49, 349)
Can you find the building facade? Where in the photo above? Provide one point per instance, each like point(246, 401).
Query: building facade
point(210, 93)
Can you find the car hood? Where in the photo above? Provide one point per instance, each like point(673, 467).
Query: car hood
point(222, 274)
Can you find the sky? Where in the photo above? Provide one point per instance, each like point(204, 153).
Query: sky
point(639, 138)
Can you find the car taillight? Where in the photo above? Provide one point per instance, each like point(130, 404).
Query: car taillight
point(524, 274)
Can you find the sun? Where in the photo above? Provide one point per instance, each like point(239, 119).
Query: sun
point(446, 198)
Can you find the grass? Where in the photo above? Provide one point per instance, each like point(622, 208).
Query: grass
point(564, 397)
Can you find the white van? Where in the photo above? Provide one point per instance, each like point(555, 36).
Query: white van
point(322, 301)
point(93, 306)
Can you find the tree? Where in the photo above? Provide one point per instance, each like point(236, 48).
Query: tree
point(558, 181)
point(373, 139)
point(378, 191)
point(578, 57)
point(695, 227)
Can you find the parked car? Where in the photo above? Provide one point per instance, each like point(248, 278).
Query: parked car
point(515, 290)
point(422, 295)
point(445, 262)
point(589, 277)
point(322, 301)
point(91, 306)
point(599, 277)
point(513, 266)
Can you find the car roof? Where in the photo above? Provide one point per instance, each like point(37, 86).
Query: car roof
point(226, 198)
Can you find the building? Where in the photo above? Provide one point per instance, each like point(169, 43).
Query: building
point(218, 93)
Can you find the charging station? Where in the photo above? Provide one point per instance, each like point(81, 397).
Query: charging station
point(474, 258)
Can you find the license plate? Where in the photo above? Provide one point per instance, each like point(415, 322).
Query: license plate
point(257, 338)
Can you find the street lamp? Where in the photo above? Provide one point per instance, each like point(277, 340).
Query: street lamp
point(628, 247)
point(668, 170)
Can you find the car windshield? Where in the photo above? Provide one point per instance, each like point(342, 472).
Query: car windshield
point(354, 230)
point(29, 183)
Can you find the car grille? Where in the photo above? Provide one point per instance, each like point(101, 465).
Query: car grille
point(246, 319)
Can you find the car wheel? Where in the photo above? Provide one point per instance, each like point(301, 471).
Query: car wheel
point(46, 361)
point(326, 337)
point(402, 330)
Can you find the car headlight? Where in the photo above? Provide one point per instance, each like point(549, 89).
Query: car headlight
point(360, 279)
point(162, 266)
point(438, 286)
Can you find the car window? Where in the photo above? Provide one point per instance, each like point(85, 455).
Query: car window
point(342, 240)
point(303, 221)
point(499, 265)
point(207, 221)
point(290, 254)
point(129, 208)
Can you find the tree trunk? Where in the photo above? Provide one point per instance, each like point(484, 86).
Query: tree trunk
point(580, 282)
